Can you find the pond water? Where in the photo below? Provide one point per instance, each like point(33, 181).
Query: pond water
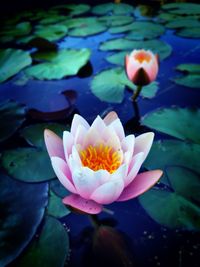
point(71, 60)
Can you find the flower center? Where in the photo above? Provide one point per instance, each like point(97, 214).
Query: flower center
point(101, 157)
point(142, 56)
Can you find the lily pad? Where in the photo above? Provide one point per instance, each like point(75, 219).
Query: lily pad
point(122, 29)
point(55, 18)
point(109, 86)
point(34, 134)
point(165, 120)
point(157, 46)
point(117, 9)
point(58, 188)
point(142, 30)
point(182, 8)
point(192, 78)
point(171, 152)
point(77, 9)
point(115, 20)
point(51, 32)
point(179, 211)
point(42, 252)
point(183, 23)
point(55, 207)
point(12, 61)
point(12, 115)
point(87, 29)
point(192, 32)
point(20, 215)
point(79, 22)
point(59, 64)
point(28, 164)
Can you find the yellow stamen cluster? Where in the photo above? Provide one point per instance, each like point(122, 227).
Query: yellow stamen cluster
point(142, 56)
point(101, 157)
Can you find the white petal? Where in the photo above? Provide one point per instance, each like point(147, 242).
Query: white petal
point(68, 142)
point(54, 144)
point(120, 173)
point(63, 173)
point(108, 192)
point(128, 144)
point(118, 128)
point(98, 124)
point(103, 176)
point(78, 120)
point(110, 117)
point(143, 143)
point(80, 134)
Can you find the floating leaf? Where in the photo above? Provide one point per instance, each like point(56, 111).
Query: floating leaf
point(192, 32)
point(51, 32)
point(12, 115)
point(179, 211)
point(192, 79)
point(28, 164)
point(165, 120)
point(43, 252)
point(79, 22)
point(55, 207)
point(12, 61)
point(142, 30)
point(77, 9)
point(20, 29)
point(119, 9)
point(171, 152)
point(59, 64)
point(183, 23)
point(58, 188)
point(115, 20)
point(182, 8)
point(34, 134)
point(109, 86)
point(52, 18)
point(122, 29)
point(22, 207)
point(157, 46)
point(88, 29)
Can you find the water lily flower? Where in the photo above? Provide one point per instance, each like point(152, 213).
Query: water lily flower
point(141, 67)
point(98, 164)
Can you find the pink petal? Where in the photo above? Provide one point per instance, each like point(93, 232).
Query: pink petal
point(134, 168)
point(143, 143)
point(85, 181)
point(118, 128)
point(63, 173)
point(132, 67)
point(110, 117)
point(140, 184)
point(87, 206)
point(80, 134)
point(54, 144)
point(151, 69)
point(108, 192)
point(78, 120)
point(68, 142)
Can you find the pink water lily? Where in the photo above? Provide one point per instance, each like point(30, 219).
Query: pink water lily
point(98, 164)
point(141, 66)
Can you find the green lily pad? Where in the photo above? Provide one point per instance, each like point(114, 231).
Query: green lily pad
point(53, 18)
point(142, 30)
point(115, 20)
point(12, 61)
point(58, 188)
point(51, 32)
point(164, 17)
point(109, 86)
point(171, 152)
point(179, 211)
point(165, 120)
point(34, 134)
point(157, 46)
point(117, 9)
point(122, 29)
point(27, 164)
point(42, 252)
point(55, 207)
point(22, 208)
point(183, 23)
point(86, 29)
point(12, 115)
point(192, 78)
point(79, 22)
point(77, 9)
point(192, 32)
point(59, 64)
point(182, 8)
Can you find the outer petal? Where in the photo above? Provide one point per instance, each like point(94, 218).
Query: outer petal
point(68, 142)
point(108, 192)
point(132, 67)
point(128, 144)
point(134, 168)
point(143, 143)
point(98, 124)
point(110, 117)
point(82, 204)
point(140, 184)
point(54, 144)
point(80, 134)
point(77, 120)
point(63, 173)
point(85, 181)
point(118, 128)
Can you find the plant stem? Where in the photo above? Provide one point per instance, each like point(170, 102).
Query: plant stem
point(137, 92)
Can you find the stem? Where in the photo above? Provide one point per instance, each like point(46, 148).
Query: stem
point(94, 220)
point(137, 92)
